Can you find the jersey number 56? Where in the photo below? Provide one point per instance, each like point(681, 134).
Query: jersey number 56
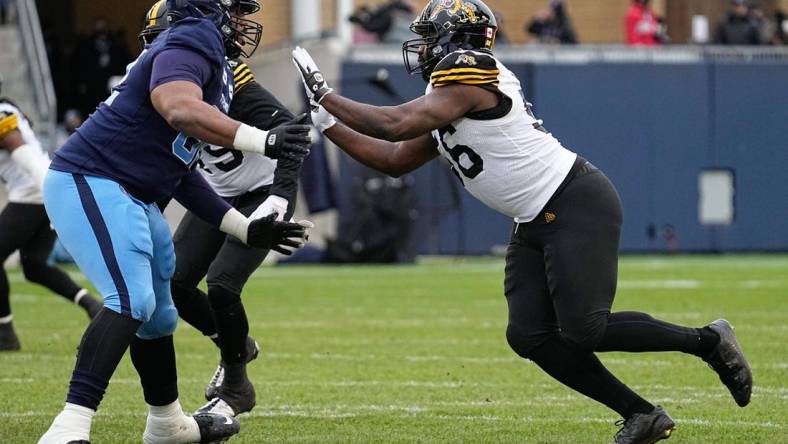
point(466, 160)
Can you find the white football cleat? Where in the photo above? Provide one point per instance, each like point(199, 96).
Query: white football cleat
point(199, 428)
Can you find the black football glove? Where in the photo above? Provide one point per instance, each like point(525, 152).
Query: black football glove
point(289, 140)
point(314, 82)
point(282, 237)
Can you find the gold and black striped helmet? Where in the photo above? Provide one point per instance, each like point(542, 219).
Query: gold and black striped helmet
point(445, 26)
point(156, 21)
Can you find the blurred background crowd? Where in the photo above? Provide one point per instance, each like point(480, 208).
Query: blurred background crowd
point(101, 43)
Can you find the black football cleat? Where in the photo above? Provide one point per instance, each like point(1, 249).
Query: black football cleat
point(215, 428)
point(79, 442)
point(8, 339)
point(645, 428)
point(252, 350)
point(235, 395)
point(729, 362)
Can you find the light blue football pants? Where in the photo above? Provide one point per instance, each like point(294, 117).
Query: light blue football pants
point(121, 244)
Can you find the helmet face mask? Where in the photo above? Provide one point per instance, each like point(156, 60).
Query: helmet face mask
point(422, 54)
point(244, 37)
point(445, 26)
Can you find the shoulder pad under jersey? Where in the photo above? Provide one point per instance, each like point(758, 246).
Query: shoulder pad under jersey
point(466, 68)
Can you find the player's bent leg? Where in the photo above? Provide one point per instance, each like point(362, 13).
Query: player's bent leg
point(153, 355)
point(15, 230)
point(579, 256)
point(233, 391)
point(101, 349)
point(630, 331)
point(34, 255)
point(227, 276)
point(107, 233)
point(196, 245)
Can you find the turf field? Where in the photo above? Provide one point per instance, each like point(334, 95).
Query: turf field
point(417, 354)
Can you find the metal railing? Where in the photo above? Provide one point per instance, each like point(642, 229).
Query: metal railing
point(43, 90)
point(583, 54)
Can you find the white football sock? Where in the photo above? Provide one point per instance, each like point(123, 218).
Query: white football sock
point(168, 424)
point(72, 424)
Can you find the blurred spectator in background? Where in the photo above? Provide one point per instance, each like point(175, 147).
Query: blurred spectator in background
point(780, 36)
point(389, 22)
point(99, 56)
point(643, 26)
point(552, 25)
point(762, 23)
point(738, 27)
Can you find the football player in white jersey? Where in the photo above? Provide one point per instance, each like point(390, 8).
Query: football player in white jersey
point(561, 264)
point(252, 183)
point(24, 224)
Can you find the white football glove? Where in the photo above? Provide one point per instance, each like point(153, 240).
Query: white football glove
point(273, 204)
point(322, 119)
point(314, 82)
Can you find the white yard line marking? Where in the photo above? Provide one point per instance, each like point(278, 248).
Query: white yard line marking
point(659, 284)
point(425, 411)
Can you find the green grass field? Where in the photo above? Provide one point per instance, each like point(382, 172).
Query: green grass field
point(417, 354)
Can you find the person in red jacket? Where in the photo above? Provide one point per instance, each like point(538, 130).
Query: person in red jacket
point(642, 25)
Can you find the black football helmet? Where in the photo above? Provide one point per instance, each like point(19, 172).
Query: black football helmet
point(241, 36)
point(445, 26)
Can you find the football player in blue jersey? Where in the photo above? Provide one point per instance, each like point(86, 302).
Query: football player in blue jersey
point(140, 147)
point(251, 183)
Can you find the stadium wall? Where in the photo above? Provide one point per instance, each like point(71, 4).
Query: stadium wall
point(653, 127)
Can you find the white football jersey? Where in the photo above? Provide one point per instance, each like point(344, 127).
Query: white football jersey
point(233, 173)
point(20, 185)
point(509, 163)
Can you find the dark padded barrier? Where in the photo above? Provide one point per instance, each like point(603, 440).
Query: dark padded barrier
point(651, 128)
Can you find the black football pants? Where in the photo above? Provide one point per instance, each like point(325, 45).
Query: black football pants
point(561, 272)
point(200, 250)
point(25, 227)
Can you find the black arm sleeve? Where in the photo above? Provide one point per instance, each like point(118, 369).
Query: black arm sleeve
point(256, 106)
point(197, 196)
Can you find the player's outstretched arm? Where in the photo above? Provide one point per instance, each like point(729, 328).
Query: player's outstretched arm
point(394, 159)
point(197, 196)
point(180, 103)
point(393, 123)
point(27, 156)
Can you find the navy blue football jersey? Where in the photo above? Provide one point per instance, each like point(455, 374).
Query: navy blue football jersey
point(126, 139)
